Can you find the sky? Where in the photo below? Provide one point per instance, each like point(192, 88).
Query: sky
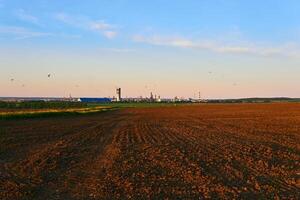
point(221, 48)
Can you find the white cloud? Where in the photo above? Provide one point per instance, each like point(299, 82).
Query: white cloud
point(219, 47)
point(107, 30)
point(109, 34)
point(100, 25)
point(22, 15)
point(66, 19)
point(22, 33)
point(118, 50)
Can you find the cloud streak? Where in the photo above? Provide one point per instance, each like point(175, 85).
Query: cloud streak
point(22, 33)
point(218, 47)
point(22, 15)
point(118, 50)
point(107, 30)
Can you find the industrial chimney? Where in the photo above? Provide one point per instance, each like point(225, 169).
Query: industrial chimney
point(119, 94)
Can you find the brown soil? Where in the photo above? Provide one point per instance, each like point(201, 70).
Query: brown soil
point(248, 151)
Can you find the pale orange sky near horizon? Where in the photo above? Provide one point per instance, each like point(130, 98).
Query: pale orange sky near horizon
point(97, 72)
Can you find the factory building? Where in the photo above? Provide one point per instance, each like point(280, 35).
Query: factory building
point(94, 100)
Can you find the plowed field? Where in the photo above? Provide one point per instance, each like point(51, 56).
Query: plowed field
point(229, 151)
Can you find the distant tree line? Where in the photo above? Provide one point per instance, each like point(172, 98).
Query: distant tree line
point(42, 104)
point(254, 100)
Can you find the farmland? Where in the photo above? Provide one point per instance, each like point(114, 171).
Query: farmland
point(194, 151)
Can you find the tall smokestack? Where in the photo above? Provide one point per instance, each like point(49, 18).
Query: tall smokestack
point(119, 98)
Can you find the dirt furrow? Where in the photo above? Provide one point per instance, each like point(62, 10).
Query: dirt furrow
point(234, 151)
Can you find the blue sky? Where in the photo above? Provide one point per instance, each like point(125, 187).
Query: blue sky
point(223, 48)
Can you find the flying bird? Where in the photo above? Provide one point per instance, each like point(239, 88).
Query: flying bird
point(49, 75)
point(12, 79)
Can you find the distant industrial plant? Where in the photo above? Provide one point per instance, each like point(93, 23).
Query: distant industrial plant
point(152, 98)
